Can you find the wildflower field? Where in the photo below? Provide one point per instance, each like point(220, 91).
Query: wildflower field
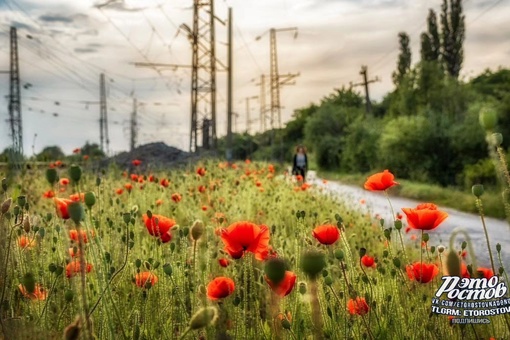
point(220, 251)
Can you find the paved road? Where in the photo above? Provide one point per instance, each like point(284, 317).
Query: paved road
point(376, 203)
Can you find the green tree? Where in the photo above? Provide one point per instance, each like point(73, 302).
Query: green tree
point(50, 153)
point(93, 150)
point(430, 40)
point(452, 36)
point(404, 58)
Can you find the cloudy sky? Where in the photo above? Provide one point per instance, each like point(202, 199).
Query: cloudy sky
point(64, 46)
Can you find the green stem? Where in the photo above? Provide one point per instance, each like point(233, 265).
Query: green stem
point(480, 211)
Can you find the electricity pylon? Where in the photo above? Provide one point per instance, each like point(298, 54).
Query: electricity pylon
point(15, 97)
point(365, 83)
point(133, 126)
point(103, 116)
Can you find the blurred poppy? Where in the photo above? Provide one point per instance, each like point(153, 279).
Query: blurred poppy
point(358, 306)
point(25, 242)
point(61, 205)
point(77, 150)
point(204, 207)
point(141, 179)
point(73, 268)
point(134, 177)
point(422, 272)
point(223, 262)
point(39, 292)
point(119, 191)
point(59, 164)
point(136, 162)
point(380, 181)
point(368, 261)
point(128, 187)
point(176, 197)
point(258, 183)
point(77, 197)
point(246, 236)
point(326, 234)
point(165, 182)
point(484, 272)
point(64, 181)
point(284, 287)
point(202, 188)
point(247, 161)
point(270, 168)
point(201, 171)
point(159, 226)
point(73, 235)
point(151, 178)
point(425, 216)
point(299, 178)
point(146, 279)
point(159, 202)
point(220, 288)
point(49, 194)
point(73, 252)
point(85, 157)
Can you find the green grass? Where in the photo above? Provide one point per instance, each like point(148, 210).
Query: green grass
point(399, 308)
point(425, 192)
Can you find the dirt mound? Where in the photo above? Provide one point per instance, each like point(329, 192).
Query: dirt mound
point(154, 155)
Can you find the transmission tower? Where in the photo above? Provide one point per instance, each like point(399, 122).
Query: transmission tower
point(103, 116)
point(134, 126)
point(15, 98)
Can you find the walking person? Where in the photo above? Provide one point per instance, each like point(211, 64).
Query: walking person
point(300, 164)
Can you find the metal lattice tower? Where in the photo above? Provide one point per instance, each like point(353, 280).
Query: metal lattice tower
point(274, 80)
point(203, 75)
point(103, 116)
point(15, 97)
point(134, 126)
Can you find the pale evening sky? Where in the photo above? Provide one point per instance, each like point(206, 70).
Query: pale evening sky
point(64, 46)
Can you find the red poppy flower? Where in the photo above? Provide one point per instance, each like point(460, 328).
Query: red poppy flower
point(159, 202)
point(85, 157)
point(73, 235)
point(25, 242)
point(49, 194)
point(422, 272)
point(39, 292)
point(77, 197)
point(151, 178)
point(77, 150)
point(146, 279)
point(326, 234)
point(485, 272)
point(202, 188)
point(358, 306)
point(380, 181)
point(61, 205)
point(128, 187)
point(165, 182)
point(204, 207)
point(368, 261)
point(425, 216)
point(59, 164)
point(258, 183)
point(246, 236)
point(119, 191)
point(73, 252)
point(270, 168)
point(64, 181)
point(299, 178)
point(134, 177)
point(220, 288)
point(136, 162)
point(223, 262)
point(159, 228)
point(201, 171)
point(284, 287)
point(176, 197)
point(73, 268)
point(141, 179)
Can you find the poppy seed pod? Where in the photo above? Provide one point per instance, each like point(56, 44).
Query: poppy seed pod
point(312, 263)
point(51, 175)
point(75, 173)
point(28, 281)
point(286, 324)
point(197, 230)
point(203, 318)
point(26, 224)
point(440, 248)
point(76, 212)
point(477, 190)
point(488, 118)
point(302, 288)
point(22, 200)
point(275, 269)
point(6, 205)
point(90, 199)
point(4, 184)
point(497, 139)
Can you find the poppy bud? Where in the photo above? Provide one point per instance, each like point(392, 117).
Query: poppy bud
point(26, 224)
point(76, 212)
point(16, 210)
point(362, 252)
point(6, 205)
point(463, 245)
point(22, 200)
point(453, 264)
point(440, 248)
point(497, 139)
point(286, 324)
point(312, 263)
point(398, 224)
point(302, 288)
point(426, 237)
point(68, 295)
point(328, 281)
point(90, 199)
point(75, 173)
point(339, 254)
point(185, 231)
point(488, 118)
point(275, 270)
point(477, 190)
point(167, 268)
point(126, 217)
point(197, 230)
point(498, 248)
point(28, 281)
point(98, 181)
point(51, 175)
point(4, 184)
point(203, 318)
point(52, 267)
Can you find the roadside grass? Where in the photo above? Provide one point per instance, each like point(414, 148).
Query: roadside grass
point(425, 192)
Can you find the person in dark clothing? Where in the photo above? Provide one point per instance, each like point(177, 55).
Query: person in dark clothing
point(300, 164)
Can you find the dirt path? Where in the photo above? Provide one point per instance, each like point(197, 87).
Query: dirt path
point(377, 203)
